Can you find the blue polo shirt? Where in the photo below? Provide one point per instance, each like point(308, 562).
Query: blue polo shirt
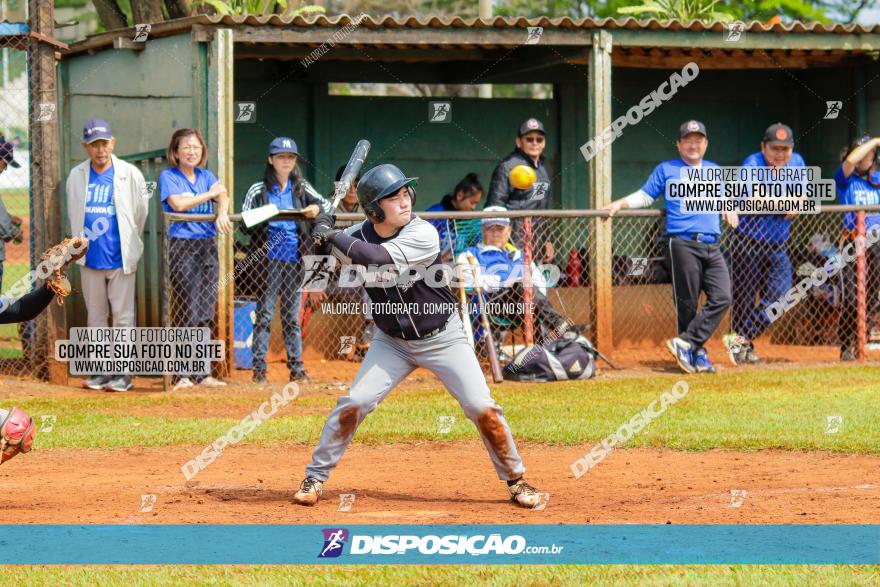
point(172, 182)
point(855, 190)
point(105, 251)
point(677, 221)
point(283, 234)
point(770, 228)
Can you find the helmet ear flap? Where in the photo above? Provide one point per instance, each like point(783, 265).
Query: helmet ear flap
point(375, 212)
point(412, 195)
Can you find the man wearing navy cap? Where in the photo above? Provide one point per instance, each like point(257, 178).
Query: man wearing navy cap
point(6, 155)
point(694, 252)
point(108, 197)
point(531, 140)
point(759, 263)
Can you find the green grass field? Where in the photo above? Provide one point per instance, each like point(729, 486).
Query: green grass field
point(786, 409)
point(513, 576)
point(780, 408)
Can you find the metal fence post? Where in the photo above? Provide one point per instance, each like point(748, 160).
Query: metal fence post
point(220, 129)
point(165, 293)
point(46, 221)
point(599, 104)
point(861, 288)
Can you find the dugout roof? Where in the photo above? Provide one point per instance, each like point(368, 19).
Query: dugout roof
point(636, 43)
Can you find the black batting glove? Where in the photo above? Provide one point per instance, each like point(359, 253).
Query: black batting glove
point(322, 235)
point(325, 221)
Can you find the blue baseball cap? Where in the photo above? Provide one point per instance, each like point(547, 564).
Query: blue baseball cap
point(6, 149)
point(97, 130)
point(283, 145)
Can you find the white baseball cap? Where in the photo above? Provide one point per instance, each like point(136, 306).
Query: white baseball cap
point(491, 221)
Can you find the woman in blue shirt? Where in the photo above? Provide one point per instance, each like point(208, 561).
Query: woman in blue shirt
point(188, 188)
point(858, 183)
point(284, 242)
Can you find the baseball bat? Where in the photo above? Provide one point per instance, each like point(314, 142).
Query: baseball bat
point(304, 314)
point(352, 168)
point(494, 363)
point(528, 322)
point(465, 315)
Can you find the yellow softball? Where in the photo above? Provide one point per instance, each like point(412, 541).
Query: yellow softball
point(522, 177)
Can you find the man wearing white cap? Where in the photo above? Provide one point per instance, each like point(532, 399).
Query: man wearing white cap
point(501, 271)
point(108, 197)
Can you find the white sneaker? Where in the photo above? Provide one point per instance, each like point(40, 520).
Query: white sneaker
point(183, 383)
point(309, 491)
point(211, 382)
point(524, 495)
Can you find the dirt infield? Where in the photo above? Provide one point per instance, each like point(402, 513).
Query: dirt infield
point(440, 483)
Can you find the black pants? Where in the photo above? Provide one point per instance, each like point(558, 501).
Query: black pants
point(26, 307)
point(546, 314)
point(847, 326)
point(698, 267)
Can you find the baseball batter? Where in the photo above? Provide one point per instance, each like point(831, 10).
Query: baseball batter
point(426, 333)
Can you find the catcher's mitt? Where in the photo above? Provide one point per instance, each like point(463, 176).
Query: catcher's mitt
point(55, 260)
point(17, 431)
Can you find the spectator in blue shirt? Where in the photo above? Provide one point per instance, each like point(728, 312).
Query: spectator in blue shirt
point(457, 235)
point(758, 254)
point(695, 258)
point(107, 201)
point(858, 183)
point(502, 270)
point(283, 242)
point(188, 188)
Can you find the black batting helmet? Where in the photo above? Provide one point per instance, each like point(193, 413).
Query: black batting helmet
point(380, 182)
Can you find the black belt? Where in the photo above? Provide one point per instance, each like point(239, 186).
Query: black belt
point(701, 237)
point(437, 330)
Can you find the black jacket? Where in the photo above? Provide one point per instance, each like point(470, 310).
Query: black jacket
point(303, 195)
point(502, 193)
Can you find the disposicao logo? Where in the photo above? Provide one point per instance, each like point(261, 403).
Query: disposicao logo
point(334, 541)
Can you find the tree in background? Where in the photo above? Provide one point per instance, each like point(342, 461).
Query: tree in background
point(845, 11)
point(114, 14)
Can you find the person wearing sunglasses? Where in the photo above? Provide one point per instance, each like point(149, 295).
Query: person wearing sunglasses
point(531, 141)
point(858, 183)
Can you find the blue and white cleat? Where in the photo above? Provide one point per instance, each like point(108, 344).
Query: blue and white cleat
point(702, 363)
point(683, 353)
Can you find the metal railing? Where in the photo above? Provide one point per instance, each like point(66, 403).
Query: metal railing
point(636, 312)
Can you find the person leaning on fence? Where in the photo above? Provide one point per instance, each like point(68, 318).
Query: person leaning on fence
point(530, 143)
point(502, 272)
point(10, 226)
point(457, 235)
point(188, 188)
point(858, 183)
point(694, 250)
point(760, 270)
point(284, 243)
point(107, 198)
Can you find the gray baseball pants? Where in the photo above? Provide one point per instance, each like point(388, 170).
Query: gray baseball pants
point(446, 354)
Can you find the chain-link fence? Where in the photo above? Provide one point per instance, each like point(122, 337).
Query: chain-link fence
point(800, 292)
point(16, 340)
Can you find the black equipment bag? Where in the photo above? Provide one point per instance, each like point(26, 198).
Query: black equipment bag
point(569, 357)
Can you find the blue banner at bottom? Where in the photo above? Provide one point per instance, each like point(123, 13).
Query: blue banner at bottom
point(439, 544)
